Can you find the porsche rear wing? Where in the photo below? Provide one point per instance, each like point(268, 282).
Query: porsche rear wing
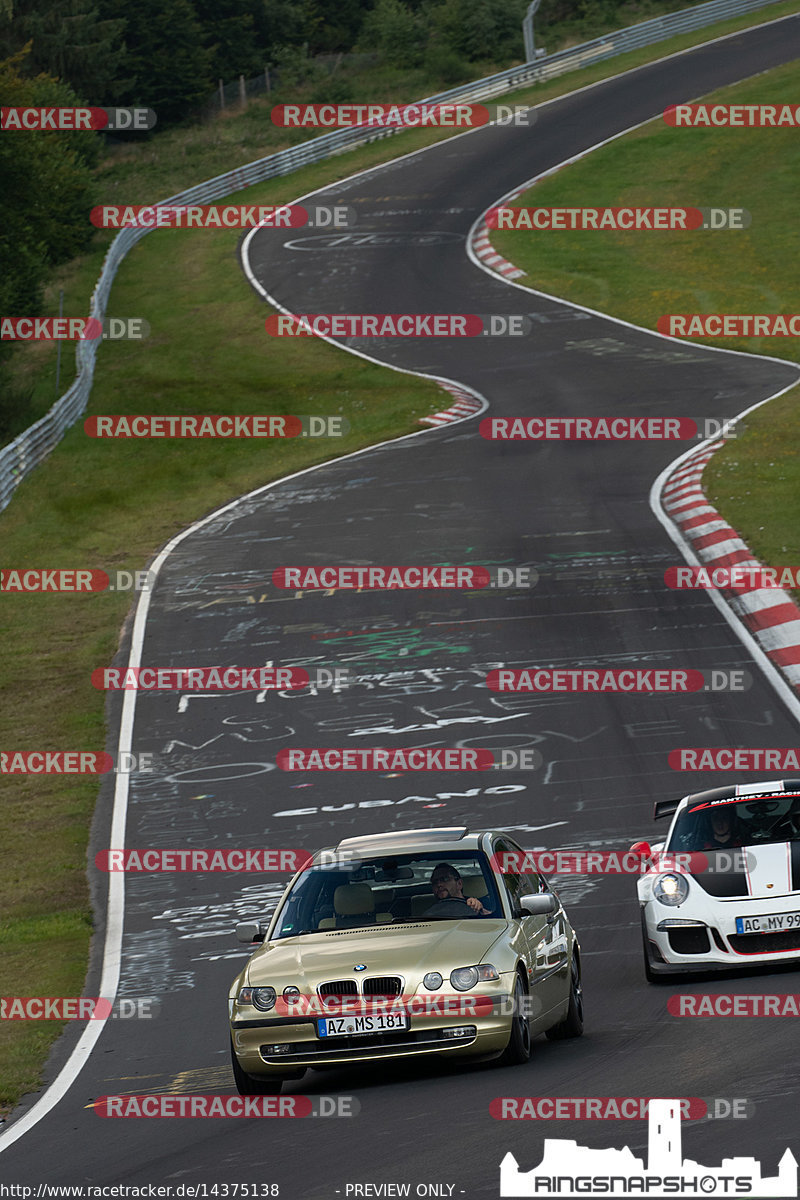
point(665, 808)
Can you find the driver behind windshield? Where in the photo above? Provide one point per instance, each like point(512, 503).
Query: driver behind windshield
point(448, 888)
point(722, 830)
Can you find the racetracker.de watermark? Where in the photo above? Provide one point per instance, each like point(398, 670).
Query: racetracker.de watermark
point(226, 1106)
point(613, 1108)
point(229, 216)
point(602, 429)
point(78, 1008)
point(227, 425)
point(400, 325)
point(738, 578)
point(73, 580)
point(70, 119)
point(200, 679)
point(158, 861)
point(727, 116)
point(59, 329)
point(380, 759)
point(734, 1004)
point(399, 116)
point(413, 578)
point(625, 679)
point(736, 325)
point(73, 762)
point(735, 758)
point(623, 220)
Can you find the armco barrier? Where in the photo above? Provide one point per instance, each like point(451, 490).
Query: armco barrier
point(31, 447)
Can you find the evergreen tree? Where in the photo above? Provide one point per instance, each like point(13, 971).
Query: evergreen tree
point(167, 65)
point(69, 39)
point(232, 37)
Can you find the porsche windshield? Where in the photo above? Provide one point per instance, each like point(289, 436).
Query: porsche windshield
point(390, 890)
point(715, 825)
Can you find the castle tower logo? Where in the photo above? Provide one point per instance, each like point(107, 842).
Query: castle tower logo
point(568, 1169)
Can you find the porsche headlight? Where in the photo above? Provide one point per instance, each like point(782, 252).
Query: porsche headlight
point(259, 997)
point(671, 889)
point(464, 978)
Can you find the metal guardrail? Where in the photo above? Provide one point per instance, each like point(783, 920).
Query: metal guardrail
point(29, 449)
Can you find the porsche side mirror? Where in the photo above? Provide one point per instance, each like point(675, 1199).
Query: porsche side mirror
point(641, 850)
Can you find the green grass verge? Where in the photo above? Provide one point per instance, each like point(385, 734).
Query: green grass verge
point(112, 504)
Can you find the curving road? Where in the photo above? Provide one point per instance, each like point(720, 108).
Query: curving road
point(579, 515)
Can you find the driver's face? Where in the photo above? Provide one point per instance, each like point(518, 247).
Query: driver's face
point(721, 823)
point(445, 884)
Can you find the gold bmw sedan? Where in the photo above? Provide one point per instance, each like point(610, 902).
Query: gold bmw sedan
point(428, 941)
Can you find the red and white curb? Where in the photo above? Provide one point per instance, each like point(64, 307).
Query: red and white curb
point(771, 615)
point(485, 251)
point(466, 405)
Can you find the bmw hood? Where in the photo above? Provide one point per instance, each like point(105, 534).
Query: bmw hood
point(409, 950)
point(761, 871)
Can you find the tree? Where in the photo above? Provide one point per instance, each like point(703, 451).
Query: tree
point(233, 36)
point(69, 40)
point(45, 201)
point(166, 62)
point(395, 32)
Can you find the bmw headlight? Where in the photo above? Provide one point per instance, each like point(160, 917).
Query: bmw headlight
point(259, 997)
point(671, 889)
point(464, 978)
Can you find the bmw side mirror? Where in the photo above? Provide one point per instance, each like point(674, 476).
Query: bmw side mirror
point(539, 906)
point(251, 931)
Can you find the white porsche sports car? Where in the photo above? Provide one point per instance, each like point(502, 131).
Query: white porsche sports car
point(724, 888)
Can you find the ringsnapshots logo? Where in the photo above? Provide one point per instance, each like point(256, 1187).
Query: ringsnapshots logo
point(567, 1169)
